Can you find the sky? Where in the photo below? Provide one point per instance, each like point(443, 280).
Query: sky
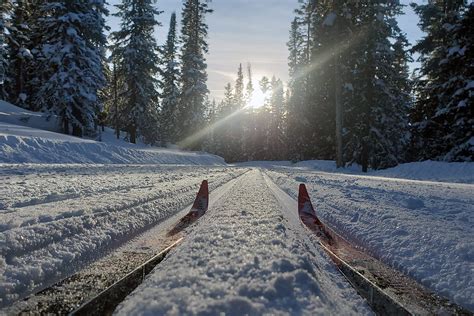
point(250, 31)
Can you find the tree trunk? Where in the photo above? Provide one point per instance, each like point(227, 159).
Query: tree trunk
point(117, 121)
point(66, 126)
point(365, 157)
point(337, 100)
point(76, 130)
point(133, 134)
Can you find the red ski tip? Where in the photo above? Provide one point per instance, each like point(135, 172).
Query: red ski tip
point(201, 202)
point(304, 202)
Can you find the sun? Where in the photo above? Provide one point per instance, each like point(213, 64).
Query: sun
point(258, 99)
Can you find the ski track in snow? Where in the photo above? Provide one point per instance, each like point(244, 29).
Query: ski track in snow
point(53, 225)
point(246, 257)
point(423, 229)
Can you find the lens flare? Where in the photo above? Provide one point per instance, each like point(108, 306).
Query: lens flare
point(258, 99)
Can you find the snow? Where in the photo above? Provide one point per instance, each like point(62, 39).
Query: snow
point(423, 228)
point(14, 115)
point(29, 137)
point(437, 171)
point(67, 201)
point(54, 225)
point(246, 257)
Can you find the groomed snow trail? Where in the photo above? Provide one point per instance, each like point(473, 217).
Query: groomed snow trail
point(67, 295)
point(52, 225)
point(424, 229)
point(246, 257)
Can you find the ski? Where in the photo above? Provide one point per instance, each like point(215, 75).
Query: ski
point(199, 207)
point(308, 216)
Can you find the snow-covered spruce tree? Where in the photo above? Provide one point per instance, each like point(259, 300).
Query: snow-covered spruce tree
point(443, 117)
point(34, 72)
point(5, 10)
point(193, 69)
point(376, 126)
point(136, 53)
point(234, 126)
point(70, 66)
point(20, 57)
point(249, 89)
point(210, 144)
point(297, 87)
point(248, 124)
point(276, 132)
point(320, 108)
point(169, 86)
point(222, 135)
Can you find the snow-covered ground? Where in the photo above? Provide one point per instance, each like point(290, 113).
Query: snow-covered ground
point(66, 201)
point(53, 224)
point(246, 258)
point(31, 137)
point(423, 228)
point(458, 172)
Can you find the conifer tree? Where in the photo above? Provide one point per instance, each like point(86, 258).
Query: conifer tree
point(35, 74)
point(19, 53)
point(115, 105)
point(249, 89)
point(235, 126)
point(5, 10)
point(193, 69)
point(296, 100)
point(70, 64)
point(277, 134)
point(239, 98)
point(222, 133)
point(376, 125)
point(169, 86)
point(248, 119)
point(443, 113)
point(136, 53)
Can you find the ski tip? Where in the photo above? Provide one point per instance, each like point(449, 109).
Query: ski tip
point(303, 195)
point(202, 199)
point(204, 189)
point(304, 202)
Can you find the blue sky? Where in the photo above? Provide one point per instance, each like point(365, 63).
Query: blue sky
point(250, 31)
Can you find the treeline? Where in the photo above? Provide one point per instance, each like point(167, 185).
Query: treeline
point(350, 98)
point(243, 127)
point(56, 58)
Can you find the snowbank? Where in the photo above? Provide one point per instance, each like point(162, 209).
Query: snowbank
point(461, 172)
point(17, 116)
point(458, 172)
point(57, 148)
point(30, 137)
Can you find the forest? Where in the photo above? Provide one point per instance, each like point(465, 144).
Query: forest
point(351, 96)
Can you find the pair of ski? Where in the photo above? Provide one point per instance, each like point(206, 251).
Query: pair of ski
point(387, 291)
